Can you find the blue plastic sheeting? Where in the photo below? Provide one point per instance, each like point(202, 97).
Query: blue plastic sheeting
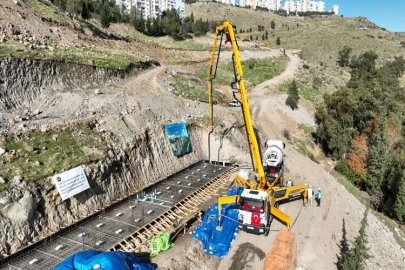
point(94, 259)
point(218, 242)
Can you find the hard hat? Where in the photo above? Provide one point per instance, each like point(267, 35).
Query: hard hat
point(310, 186)
point(306, 184)
point(289, 178)
point(319, 189)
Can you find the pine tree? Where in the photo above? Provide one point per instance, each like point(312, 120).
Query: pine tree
point(273, 25)
point(251, 37)
point(85, 10)
point(377, 163)
point(267, 35)
point(293, 96)
point(357, 257)
point(192, 17)
point(263, 38)
point(278, 41)
point(399, 207)
point(105, 15)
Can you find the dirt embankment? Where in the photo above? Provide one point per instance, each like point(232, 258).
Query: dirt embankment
point(22, 80)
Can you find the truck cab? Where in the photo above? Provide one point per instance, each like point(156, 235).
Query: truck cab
point(254, 212)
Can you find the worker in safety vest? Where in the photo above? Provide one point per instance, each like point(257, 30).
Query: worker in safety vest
point(310, 193)
point(318, 197)
point(289, 182)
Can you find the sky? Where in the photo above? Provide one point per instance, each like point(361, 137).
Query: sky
point(389, 14)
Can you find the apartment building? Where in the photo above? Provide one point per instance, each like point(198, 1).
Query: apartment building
point(304, 6)
point(154, 8)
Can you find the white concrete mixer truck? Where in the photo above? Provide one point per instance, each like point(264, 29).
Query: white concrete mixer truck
point(273, 159)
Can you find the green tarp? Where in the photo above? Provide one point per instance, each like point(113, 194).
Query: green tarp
point(160, 242)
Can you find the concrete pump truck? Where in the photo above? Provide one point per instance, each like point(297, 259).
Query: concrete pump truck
point(258, 203)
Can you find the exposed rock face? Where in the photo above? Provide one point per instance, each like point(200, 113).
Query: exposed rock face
point(35, 210)
point(21, 80)
point(21, 211)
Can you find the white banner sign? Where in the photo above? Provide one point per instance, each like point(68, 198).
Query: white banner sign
point(71, 182)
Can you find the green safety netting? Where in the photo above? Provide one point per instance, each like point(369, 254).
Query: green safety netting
point(160, 242)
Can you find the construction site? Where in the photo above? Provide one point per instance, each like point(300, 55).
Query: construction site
point(119, 147)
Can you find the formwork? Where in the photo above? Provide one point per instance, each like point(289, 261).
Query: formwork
point(129, 225)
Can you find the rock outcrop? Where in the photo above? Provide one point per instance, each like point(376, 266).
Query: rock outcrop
point(21, 80)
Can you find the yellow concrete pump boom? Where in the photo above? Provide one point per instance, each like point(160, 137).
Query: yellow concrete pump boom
point(275, 194)
point(227, 29)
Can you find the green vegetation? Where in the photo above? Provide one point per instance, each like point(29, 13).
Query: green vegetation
point(357, 256)
point(363, 123)
point(85, 56)
point(293, 96)
point(36, 155)
point(105, 16)
point(45, 10)
point(304, 91)
point(344, 56)
point(255, 71)
point(193, 90)
point(170, 23)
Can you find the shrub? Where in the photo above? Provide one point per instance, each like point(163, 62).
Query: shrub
point(343, 168)
point(287, 134)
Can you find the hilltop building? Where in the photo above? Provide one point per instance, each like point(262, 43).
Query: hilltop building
point(154, 8)
point(335, 9)
point(276, 5)
point(304, 6)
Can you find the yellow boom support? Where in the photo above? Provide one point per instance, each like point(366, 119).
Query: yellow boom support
point(228, 30)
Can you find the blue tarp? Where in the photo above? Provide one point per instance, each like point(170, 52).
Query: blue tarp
point(94, 259)
point(218, 242)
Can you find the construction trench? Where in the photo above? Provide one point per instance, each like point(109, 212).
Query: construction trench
point(130, 224)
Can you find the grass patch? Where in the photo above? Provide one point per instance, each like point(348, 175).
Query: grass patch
point(83, 56)
point(347, 184)
point(193, 90)
point(255, 71)
point(307, 129)
point(181, 60)
point(304, 91)
point(45, 10)
point(54, 156)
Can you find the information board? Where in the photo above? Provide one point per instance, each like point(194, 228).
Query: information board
point(178, 138)
point(71, 182)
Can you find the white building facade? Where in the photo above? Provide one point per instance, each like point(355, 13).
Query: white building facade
point(154, 8)
point(304, 6)
point(335, 9)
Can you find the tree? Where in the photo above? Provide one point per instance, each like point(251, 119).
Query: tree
point(278, 41)
point(398, 66)
point(85, 10)
point(344, 56)
point(251, 37)
point(293, 96)
point(263, 37)
point(377, 162)
point(272, 24)
point(267, 35)
point(73, 7)
point(192, 17)
point(356, 258)
point(358, 157)
point(105, 15)
point(399, 206)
